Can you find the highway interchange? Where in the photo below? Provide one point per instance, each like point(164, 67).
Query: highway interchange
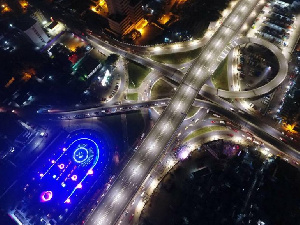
point(156, 142)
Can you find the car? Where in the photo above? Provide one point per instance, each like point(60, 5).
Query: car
point(212, 121)
point(283, 140)
point(230, 135)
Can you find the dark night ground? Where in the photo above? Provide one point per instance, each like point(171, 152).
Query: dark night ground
point(218, 198)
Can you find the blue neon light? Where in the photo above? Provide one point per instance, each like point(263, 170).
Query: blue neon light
point(80, 155)
point(91, 168)
point(81, 158)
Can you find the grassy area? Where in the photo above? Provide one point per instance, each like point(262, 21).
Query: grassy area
point(137, 74)
point(161, 89)
point(192, 111)
point(132, 96)
point(178, 58)
point(219, 78)
point(203, 131)
point(135, 126)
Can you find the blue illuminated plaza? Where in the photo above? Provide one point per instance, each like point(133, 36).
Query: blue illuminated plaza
point(62, 179)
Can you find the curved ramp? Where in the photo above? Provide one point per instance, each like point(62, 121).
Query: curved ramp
point(276, 81)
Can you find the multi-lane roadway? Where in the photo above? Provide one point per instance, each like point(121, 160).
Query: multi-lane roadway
point(156, 141)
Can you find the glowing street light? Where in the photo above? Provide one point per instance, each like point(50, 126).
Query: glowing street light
point(157, 49)
point(171, 162)
point(195, 42)
point(208, 56)
point(140, 205)
point(176, 46)
point(153, 185)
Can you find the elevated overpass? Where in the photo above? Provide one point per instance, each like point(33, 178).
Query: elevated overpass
point(160, 136)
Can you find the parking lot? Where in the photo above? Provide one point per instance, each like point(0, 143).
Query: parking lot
point(275, 23)
point(255, 69)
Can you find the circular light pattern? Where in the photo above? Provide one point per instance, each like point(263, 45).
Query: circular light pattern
point(80, 154)
point(78, 160)
point(61, 166)
point(46, 196)
point(74, 177)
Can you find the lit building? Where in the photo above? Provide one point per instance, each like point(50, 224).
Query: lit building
point(33, 30)
point(39, 16)
point(124, 15)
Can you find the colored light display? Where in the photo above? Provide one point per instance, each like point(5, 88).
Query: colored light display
point(61, 166)
point(46, 196)
point(74, 178)
point(77, 162)
point(80, 155)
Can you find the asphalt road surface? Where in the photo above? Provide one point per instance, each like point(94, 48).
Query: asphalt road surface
point(133, 174)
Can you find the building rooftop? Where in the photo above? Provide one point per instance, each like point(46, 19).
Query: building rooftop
point(24, 22)
point(117, 17)
point(87, 65)
point(134, 2)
